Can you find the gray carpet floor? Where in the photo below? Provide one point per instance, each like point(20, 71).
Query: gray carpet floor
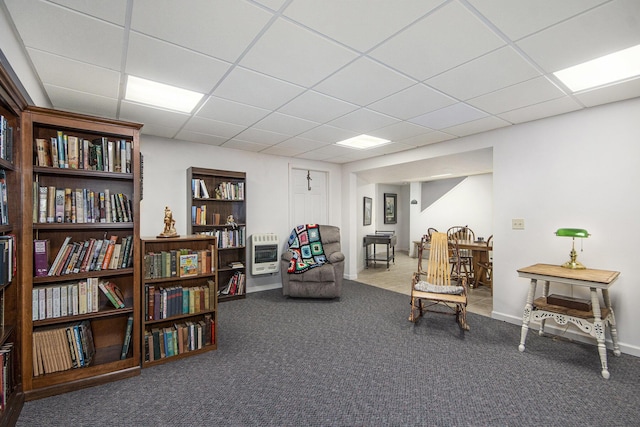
point(358, 361)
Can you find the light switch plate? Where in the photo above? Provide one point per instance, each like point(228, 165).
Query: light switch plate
point(517, 224)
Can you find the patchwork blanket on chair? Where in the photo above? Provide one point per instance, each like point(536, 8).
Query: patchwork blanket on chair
point(307, 249)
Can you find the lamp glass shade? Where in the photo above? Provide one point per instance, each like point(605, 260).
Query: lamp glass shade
point(572, 232)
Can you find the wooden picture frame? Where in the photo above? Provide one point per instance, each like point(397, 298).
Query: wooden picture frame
point(390, 208)
point(367, 211)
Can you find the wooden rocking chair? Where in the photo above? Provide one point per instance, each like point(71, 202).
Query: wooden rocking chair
point(434, 287)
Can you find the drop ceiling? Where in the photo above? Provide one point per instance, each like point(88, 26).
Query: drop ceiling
point(293, 77)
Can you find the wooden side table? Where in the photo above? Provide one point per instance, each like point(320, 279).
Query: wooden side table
point(593, 322)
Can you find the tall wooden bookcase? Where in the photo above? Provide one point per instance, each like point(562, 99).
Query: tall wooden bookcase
point(179, 309)
point(108, 324)
point(212, 196)
point(11, 105)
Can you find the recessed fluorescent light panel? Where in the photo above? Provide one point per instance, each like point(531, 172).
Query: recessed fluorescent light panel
point(161, 95)
point(607, 69)
point(363, 142)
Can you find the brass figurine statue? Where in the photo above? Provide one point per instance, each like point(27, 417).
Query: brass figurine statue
point(169, 224)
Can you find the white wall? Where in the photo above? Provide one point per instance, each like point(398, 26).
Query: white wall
point(267, 189)
point(468, 203)
point(581, 170)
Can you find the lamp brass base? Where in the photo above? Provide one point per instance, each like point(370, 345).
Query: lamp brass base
point(575, 265)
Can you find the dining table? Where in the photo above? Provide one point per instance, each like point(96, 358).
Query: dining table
point(479, 254)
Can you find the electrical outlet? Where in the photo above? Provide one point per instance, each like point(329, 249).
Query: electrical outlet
point(517, 224)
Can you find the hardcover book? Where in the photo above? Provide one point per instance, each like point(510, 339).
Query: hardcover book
point(188, 265)
point(41, 257)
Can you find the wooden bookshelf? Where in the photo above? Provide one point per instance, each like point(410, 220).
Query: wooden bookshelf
point(179, 310)
point(89, 223)
point(226, 191)
point(11, 105)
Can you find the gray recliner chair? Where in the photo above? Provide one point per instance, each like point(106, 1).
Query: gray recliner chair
point(318, 282)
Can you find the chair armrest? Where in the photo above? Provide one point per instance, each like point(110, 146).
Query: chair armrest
point(286, 256)
point(335, 257)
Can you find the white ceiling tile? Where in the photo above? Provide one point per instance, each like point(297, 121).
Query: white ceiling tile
point(221, 28)
point(146, 114)
point(449, 116)
point(618, 92)
point(427, 139)
point(110, 10)
point(58, 71)
point(166, 63)
point(301, 144)
point(271, 4)
point(213, 127)
point(82, 102)
point(238, 144)
point(284, 124)
point(496, 70)
point(520, 95)
point(278, 150)
point(54, 29)
point(298, 63)
point(477, 126)
point(328, 134)
point(411, 102)
point(251, 88)
point(259, 136)
point(363, 120)
point(158, 130)
point(437, 43)
point(201, 138)
point(395, 147)
point(544, 109)
point(317, 107)
point(399, 131)
point(363, 82)
point(520, 18)
point(224, 110)
point(361, 24)
point(603, 30)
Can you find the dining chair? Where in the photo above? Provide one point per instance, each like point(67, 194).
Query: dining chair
point(435, 286)
point(485, 268)
point(461, 259)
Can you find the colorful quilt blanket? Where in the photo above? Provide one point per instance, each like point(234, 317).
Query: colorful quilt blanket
point(307, 249)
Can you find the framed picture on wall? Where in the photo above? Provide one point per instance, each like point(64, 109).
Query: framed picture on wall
point(367, 210)
point(390, 209)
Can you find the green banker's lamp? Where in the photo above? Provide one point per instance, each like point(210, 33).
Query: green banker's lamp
point(573, 233)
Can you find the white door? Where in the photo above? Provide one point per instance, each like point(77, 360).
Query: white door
point(309, 197)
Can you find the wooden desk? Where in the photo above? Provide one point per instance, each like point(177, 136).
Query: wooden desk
point(592, 322)
point(389, 240)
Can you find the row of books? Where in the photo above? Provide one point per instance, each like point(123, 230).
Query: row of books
point(162, 303)
point(4, 199)
point(8, 261)
point(178, 263)
point(62, 348)
point(199, 189)
point(80, 205)
point(7, 379)
point(89, 255)
point(72, 299)
point(72, 152)
point(229, 237)
point(6, 139)
point(235, 286)
point(179, 338)
point(199, 215)
point(230, 191)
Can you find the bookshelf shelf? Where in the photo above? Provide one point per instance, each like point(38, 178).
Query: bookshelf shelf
point(179, 313)
point(12, 104)
point(100, 204)
point(227, 197)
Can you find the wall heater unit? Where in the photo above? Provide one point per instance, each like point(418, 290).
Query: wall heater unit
point(264, 254)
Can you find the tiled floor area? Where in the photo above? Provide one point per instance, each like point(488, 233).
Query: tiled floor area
point(398, 279)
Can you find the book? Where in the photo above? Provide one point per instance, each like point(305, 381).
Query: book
point(73, 148)
point(41, 257)
point(127, 338)
point(188, 265)
point(43, 148)
point(109, 252)
point(56, 261)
